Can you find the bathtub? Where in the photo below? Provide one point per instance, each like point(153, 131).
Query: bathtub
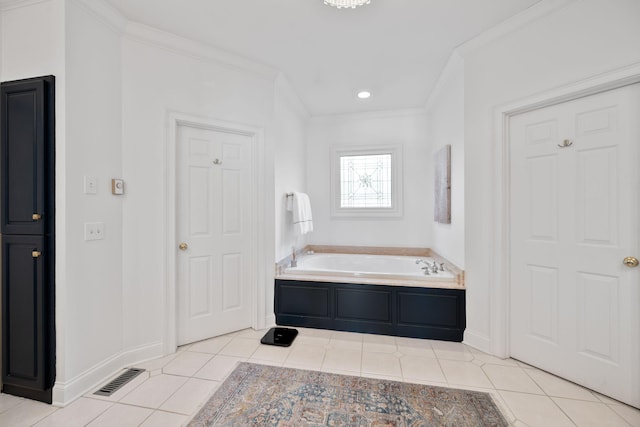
point(385, 267)
point(386, 294)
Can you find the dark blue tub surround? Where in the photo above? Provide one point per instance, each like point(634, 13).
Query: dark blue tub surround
point(404, 311)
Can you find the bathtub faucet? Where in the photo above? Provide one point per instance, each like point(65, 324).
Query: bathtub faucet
point(426, 268)
point(434, 268)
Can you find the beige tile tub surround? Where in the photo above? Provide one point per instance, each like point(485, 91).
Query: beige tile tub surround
point(457, 283)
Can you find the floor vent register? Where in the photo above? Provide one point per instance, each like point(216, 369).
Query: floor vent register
point(119, 382)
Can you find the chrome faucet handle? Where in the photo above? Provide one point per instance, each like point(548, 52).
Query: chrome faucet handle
point(426, 270)
point(442, 266)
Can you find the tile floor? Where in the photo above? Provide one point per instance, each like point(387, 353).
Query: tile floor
point(173, 388)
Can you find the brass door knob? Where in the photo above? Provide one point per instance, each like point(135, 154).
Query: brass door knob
point(183, 246)
point(630, 261)
point(36, 217)
point(36, 254)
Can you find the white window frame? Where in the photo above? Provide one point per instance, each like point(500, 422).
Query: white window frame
point(395, 211)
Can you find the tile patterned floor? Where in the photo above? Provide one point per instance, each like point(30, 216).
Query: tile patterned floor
point(174, 387)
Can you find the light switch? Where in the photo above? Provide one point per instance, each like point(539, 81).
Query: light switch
point(90, 185)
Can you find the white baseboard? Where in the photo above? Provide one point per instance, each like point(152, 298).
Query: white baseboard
point(65, 392)
point(477, 341)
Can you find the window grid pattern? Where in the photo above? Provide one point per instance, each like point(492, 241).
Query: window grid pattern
point(365, 181)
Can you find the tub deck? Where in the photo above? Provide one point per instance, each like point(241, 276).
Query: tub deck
point(456, 281)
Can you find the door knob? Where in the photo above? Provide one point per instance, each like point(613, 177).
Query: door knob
point(36, 254)
point(183, 246)
point(630, 261)
point(36, 216)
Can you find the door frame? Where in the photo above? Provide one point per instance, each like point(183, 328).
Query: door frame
point(500, 268)
point(256, 211)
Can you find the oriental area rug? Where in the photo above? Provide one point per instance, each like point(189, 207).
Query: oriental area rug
point(258, 395)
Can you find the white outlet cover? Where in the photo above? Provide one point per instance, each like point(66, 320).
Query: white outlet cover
point(93, 230)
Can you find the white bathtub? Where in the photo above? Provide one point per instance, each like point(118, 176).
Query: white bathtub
point(361, 266)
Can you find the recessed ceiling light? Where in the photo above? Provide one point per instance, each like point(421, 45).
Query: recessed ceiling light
point(364, 94)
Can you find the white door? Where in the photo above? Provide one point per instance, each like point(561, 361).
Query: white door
point(213, 227)
point(574, 218)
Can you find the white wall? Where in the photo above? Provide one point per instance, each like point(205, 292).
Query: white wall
point(586, 38)
point(159, 79)
point(446, 126)
point(83, 52)
point(39, 29)
point(93, 287)
point(292, 121)
point(405, 127)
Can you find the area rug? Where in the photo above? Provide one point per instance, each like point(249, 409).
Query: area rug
point(258, 395)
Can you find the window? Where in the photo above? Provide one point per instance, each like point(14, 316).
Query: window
point(366, 181)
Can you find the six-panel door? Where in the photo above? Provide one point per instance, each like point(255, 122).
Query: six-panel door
point(574, 218)
point(214, 228)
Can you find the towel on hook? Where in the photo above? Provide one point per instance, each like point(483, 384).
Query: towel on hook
point(301, 208)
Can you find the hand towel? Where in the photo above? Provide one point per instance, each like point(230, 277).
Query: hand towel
point(302, 218)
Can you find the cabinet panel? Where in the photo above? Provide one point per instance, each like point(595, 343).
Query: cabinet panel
point(25, 302)
point(363, 305)
point(312, 301)
point(26, 123)
point(429, 309)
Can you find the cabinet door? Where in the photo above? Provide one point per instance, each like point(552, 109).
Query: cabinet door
point(26, 123)
point(26, 357)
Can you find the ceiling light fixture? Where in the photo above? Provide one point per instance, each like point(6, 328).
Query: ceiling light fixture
point(346, 3)
point(364, 94)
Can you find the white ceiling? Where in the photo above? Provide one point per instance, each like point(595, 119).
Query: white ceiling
point(394, 48)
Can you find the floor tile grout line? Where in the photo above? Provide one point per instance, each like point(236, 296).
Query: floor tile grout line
point(563, 411)
point(585, 401)
point(137, 406)
point(551, 396)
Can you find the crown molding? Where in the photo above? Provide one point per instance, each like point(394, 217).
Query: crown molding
point(104, 12)
point(145, 34)
point(381, 114)
point(533, 13)
point(15, 4)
